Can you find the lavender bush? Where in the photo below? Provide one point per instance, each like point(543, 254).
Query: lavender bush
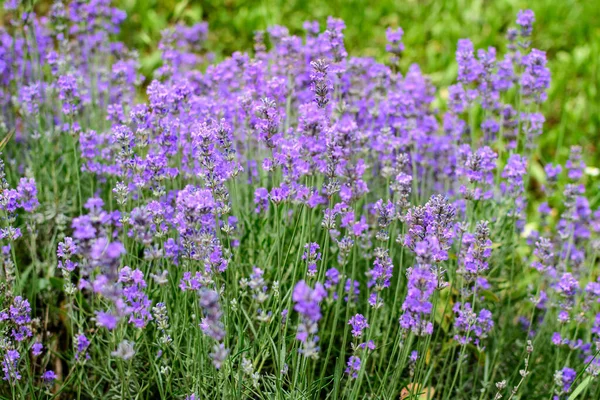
point(292, 224)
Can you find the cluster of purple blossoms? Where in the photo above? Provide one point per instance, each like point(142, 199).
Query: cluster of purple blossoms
point(433, 222)
point(477, 168)
point(332, 278)
point(69, 95)
point(81, 344)
point(352, 290)
point(137, 302)
point(575, 164)
point(10, 366)
point(394, 44)
point(353, 366)
point(417, 305)
point(544, 253)
point(358, 323)
point(478, 249)
point(514, 172)
point(311, 255)
point(470, 326)
point(469, 68)
point(306, 303)
point(18, 319)
point(320, 82)
point(525, 20)
point(11, 200)
point(261, 199)
point(563, 380)
point(567, 287)
point(212, 325)
point(49, 376)
point(535, 80)
point(67, 250)
point(430, 233)
point(386, 213)
point(394, 38)
point(16, 329)
point(379, 276)
point(257, 285)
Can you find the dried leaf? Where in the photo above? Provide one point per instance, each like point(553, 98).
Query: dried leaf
point(414, 388)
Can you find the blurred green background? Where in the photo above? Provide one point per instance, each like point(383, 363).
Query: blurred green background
point(569, 31)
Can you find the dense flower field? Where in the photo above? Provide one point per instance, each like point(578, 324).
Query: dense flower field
point(287, 223)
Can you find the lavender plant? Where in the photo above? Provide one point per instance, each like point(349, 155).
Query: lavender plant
point(286, 223)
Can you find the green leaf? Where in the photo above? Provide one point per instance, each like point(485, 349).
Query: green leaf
point(489, 295)
point(57, 283)
point(580, 388)
point(179, 8)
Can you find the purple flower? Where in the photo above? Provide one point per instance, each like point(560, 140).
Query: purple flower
point(535, 80)
point(49, 376)
point(414, 356)
point(514, 172)
point(575, 164)
point(380, 276)
point(470, 326)
point(66, 249)
point(106, 320)
point(457, 98)
point(417, 305)
point(9, 200)
point(394, 42)
point(351, 288)
point(20, 311)
point(525, 19)
point(10, 366)
point(211, 324)
point(311, 255)
point(307, 300)
point(320, 83)
point(367, 345)
point(478, 170)
point(191, 282)
point(556, 339)
point(218, 355)
point(552, 171)
point(106, 251)
point(269, 118)
point(567, 285)
point(11, 5)
point(335, 39)
point(261, 199)
point(37, 348)
point(469, 68)
point(564, 378)
point(353, 367)
point(137, 302)
point(68, 93)
point(545, 257)
point(27, 194)
point(332, 278)
point(478, 250)
point(358, 323)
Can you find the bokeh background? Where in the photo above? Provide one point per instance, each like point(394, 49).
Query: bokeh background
point(568, 30)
